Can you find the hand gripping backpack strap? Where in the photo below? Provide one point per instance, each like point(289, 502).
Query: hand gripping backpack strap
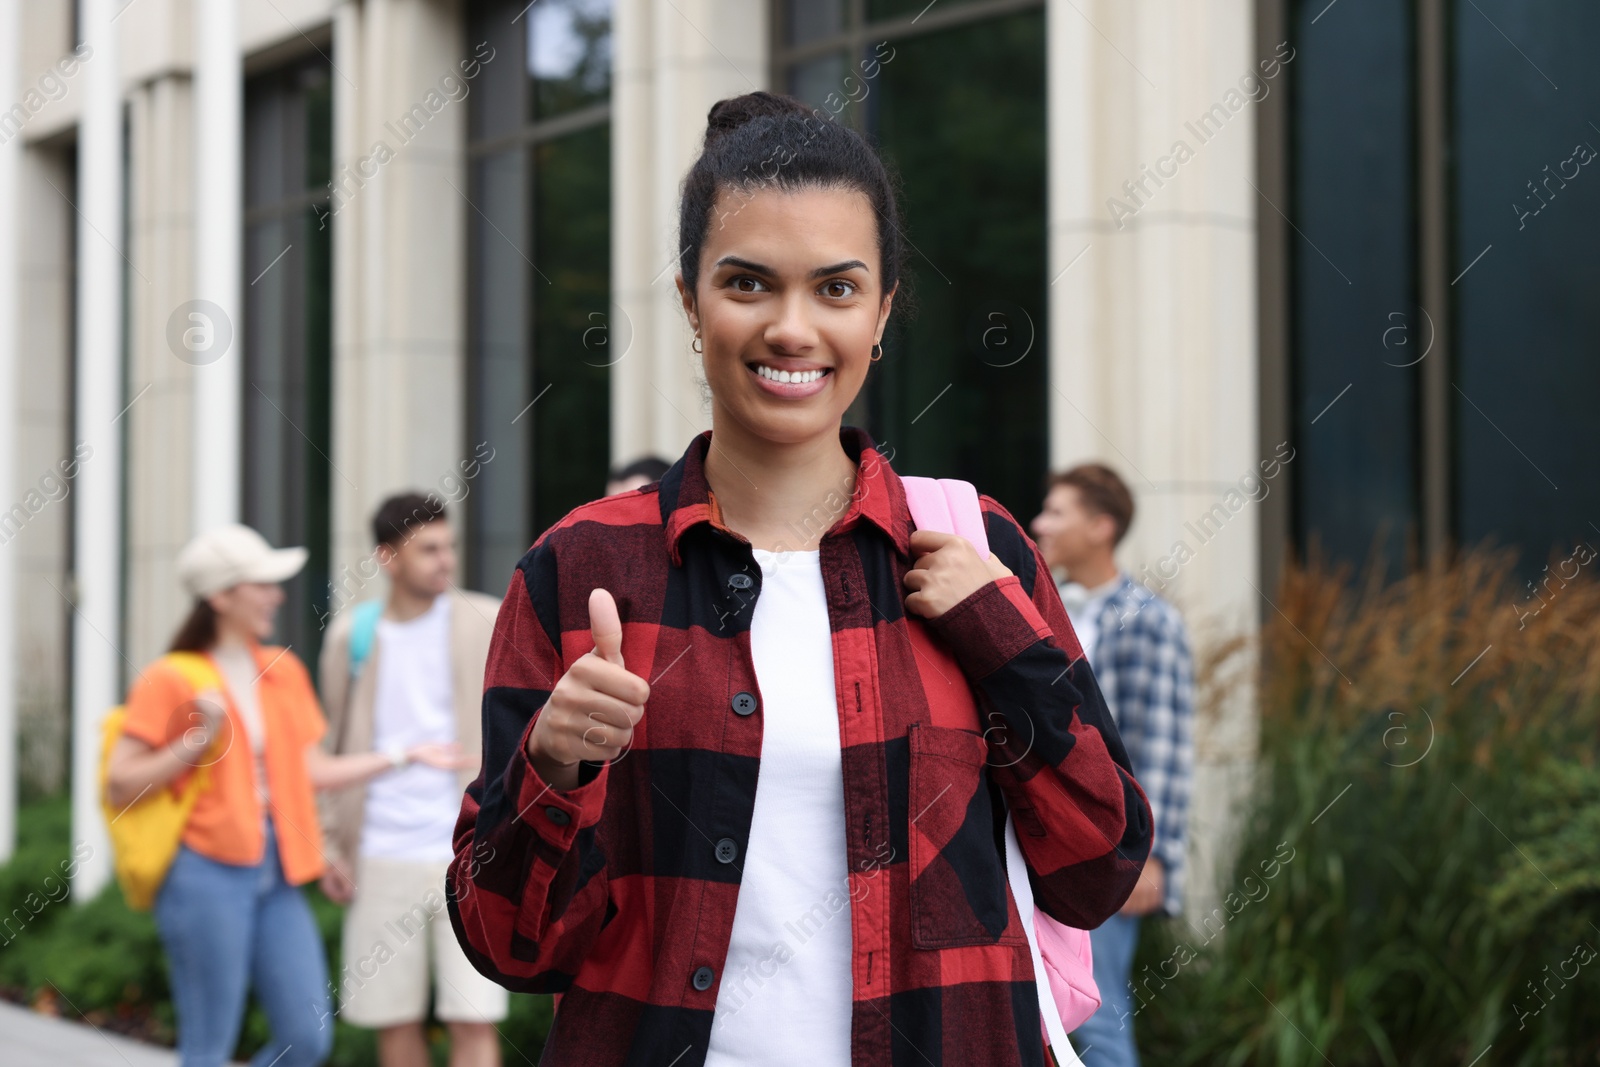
point(201, 674)
point(146, 834)
point(1061, 954)
point(948, 505)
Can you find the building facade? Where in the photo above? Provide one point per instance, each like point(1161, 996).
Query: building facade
point(272, 260)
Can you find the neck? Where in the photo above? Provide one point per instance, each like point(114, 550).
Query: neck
point(404, 604)
point(781, 497)
point(1093, 572)
point(232, 638)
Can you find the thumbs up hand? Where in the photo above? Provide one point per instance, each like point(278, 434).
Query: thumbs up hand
point(593, 709)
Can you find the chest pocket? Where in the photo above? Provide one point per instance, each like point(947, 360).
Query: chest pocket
point(959, 894)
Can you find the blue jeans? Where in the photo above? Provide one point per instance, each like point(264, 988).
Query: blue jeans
point(1106, 1038)
point(228, 929)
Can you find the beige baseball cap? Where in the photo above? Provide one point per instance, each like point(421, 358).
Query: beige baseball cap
point(227, 555)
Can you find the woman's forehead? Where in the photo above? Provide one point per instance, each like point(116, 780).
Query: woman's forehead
point(793, 229)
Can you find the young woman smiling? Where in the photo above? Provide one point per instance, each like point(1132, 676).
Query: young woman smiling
point(794, 855)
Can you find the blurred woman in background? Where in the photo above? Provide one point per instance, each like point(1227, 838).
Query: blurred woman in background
point(230, 912)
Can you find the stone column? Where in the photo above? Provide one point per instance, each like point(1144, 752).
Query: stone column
point(1153, 319)
point(399, 252)
point(218, 107)
point(10, 247)
point(95, 632)
point(673, 60)
point(164, 420)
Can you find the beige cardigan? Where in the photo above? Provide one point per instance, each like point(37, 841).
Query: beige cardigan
point(349, 708)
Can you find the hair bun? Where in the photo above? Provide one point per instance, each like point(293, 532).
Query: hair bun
point(728, 115)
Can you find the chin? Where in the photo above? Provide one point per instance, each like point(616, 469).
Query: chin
point(787, 423)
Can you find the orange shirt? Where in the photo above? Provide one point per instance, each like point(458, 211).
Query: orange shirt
point(226, 823)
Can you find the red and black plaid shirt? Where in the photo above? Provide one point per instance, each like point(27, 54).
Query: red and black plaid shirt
point(619, 894)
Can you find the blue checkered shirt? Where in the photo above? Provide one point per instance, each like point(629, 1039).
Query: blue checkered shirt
point(1145, 669)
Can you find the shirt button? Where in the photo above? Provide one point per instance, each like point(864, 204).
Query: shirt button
point(702, 978)
point(557, 815)
point(739, 581)
point(744, 703)
point(727, 849)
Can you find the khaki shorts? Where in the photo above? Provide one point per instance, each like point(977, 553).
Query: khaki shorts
point(399, 914)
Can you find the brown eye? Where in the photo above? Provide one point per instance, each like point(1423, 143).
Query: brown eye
point(839, 289)
point(746, 284)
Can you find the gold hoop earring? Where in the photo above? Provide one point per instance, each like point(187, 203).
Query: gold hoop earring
point(697, 345)
point(879, 350)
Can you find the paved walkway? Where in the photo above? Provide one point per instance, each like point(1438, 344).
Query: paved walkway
point(28, 1039)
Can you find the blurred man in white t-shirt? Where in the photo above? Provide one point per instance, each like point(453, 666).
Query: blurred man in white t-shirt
point(396, 673)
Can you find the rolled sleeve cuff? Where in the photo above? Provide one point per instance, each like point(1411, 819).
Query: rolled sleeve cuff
point(992, 625)
point(555, 815)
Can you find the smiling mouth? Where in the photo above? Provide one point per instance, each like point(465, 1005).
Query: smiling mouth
point(783, 377)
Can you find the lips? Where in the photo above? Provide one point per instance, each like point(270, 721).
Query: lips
point(795, 382)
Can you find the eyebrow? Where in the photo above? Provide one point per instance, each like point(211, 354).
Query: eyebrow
point(761, 268)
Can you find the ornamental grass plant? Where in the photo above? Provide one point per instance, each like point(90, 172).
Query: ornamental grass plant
point(1427, 750)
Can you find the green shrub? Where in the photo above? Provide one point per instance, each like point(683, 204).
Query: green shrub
point(1431, 763)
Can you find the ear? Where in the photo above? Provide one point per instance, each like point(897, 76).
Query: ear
point(883, 311)
point(687, 296)
point(1106, 526)
point(387, 557)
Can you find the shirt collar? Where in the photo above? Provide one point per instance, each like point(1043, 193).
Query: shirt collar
point(878, 497)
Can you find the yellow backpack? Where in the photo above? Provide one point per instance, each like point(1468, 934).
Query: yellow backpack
point(145, 834)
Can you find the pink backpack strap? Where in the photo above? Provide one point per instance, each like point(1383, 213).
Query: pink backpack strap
point(1063, 962)
point(949, 505)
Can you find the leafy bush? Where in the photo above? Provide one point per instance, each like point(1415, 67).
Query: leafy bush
point(104, 962)
point(1429, 756)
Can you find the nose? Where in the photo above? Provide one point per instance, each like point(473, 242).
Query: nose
point(792, 331)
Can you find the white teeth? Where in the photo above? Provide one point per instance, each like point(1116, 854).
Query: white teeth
point(786, 377)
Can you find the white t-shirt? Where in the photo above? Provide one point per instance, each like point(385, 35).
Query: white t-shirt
point(240, 673)
point(1083, 608)
point(785, 996)
point(411, 812)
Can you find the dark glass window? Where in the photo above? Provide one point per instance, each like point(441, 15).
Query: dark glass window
point(1527, 201)
point(1521, 202)
point(287, 331)
point(539, 286)
point(1353, 278)
point(959, 112)
point(907, 9)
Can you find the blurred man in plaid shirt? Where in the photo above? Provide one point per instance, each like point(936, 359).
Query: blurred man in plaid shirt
point(1138, 648)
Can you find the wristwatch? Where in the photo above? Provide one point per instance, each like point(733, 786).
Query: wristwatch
point(397, 755)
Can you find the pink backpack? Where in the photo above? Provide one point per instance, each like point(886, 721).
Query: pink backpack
point(1062, 963)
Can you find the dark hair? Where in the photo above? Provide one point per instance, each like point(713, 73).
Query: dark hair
point(199, 629)
point(401, 514)
point(651, 468)
point(762, 140)
point(1101, 491)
